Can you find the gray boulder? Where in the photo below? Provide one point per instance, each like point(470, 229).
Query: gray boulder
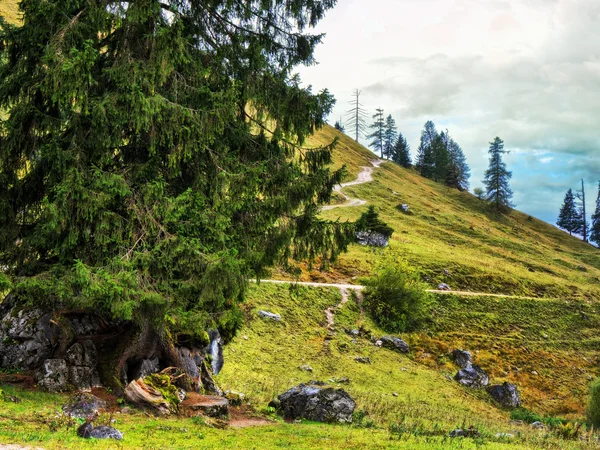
point(473, 377)
point(394, 343)
point(372, 239)
point(82, 361)
point(88, 431)
point(462, 358)
point(83, 406)
point(506, 394)
point(25, 336)
point(145, 367)
point(363, 359)
point(269, 315)
point(321, 404)
point(443, 287)
point(54, 375)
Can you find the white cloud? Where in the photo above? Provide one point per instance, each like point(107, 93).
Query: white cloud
point(525, 70)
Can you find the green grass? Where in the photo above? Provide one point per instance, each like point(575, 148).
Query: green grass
point(450, 230)
point(263, 361)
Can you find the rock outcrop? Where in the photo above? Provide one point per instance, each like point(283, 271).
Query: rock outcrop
point(462, 358)
point(372, 239)
point(88, 431)
point(83, 406)
point(473, 377)
point(394, 343)
point(506, 394)
point(269, 315)
point(321, 404)
point(54, 375)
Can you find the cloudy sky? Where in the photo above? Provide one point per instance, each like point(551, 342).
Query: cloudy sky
point(527, 71)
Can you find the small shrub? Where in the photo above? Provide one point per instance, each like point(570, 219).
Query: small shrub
point(529, 417)
point(569, 430)
point(593, 406)
point(369, 221)
point(396, 297)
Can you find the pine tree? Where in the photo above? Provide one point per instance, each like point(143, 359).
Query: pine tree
point(441, 158)
point(338, 126)
point(401, 152)
point(150, 162)
point(595, 228)
point(496, 178)
point(425, 158)
point(390, 134)
point(378, 136)
point(458, 172)
point(568, 217)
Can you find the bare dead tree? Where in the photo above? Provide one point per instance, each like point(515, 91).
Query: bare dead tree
point(356, 122)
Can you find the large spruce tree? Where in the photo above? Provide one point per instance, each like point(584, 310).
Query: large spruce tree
point(595, 226)
point(401, 152)
point(458, 171)
point(425, 159)
point(496, 178)
point(151, 159)
point(377, 137)
point(389, 136)
point(568, 217)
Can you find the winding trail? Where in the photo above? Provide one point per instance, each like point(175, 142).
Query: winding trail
point(365, 176)
point(359, 288)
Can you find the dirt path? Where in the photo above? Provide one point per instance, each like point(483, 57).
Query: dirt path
point(358, 288)
point(365, 176)
point(330, 312)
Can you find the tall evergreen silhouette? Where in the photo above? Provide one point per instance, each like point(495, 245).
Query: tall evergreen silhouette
point(568, 217)
point(377, 138)
point(425, 159)
point(496, 178)
point(401, 152)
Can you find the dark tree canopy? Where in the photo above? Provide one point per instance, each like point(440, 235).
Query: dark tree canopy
point(425, 158)
point(150, 161)
point(401, 152)
point(496, 178)
point(389, 136)
point(568, 217)
point(369, 221)
point(377, 137)
point(458, 171)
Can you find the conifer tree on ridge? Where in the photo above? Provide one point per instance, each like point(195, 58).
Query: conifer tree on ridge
point(496, 178)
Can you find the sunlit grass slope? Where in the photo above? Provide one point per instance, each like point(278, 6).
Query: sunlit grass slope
point(448, 230)
point(9, 10)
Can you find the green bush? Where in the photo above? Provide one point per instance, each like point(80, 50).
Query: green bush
point(369, 221)
point(395, 297)
point(593, 406)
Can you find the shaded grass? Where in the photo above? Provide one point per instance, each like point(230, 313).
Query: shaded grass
point(548, 347)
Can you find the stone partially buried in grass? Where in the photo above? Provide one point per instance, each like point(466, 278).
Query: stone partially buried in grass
point(506, 394)
point(473, 377)
point(394, 343)
point(83, 405)
point(88, 431)
point(321, 404)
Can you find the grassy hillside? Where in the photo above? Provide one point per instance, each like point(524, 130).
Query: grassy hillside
point(454, 231)
point(9, 10)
